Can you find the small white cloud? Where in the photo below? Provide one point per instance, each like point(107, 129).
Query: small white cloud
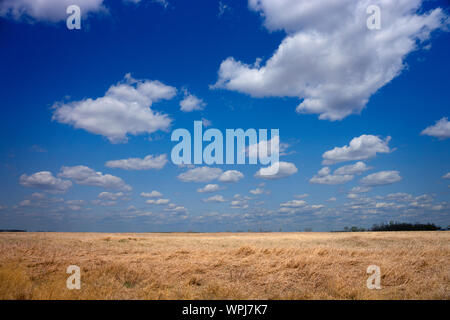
point(158, 201)
point(301, 196)
point(265, 148)
point(231, 176)
point(222, 8)
point(216, 198)
point(357, 168)
point(239, 204)
point(176, 208)
point(439, 130)
point(200, 174)
point(153, 194)
point(293, 204)
point(381, 178)
point(83, 175)
point(209, 188)
point(45, 180)
point(257, 191)
point(360, 148)
point(277, 170)
point(191, 103)
point(206, 123)
point(110, 196)
point(38, 195)
point(360, 189)
point(446, 176)
point(147, 163)
point(324, 177)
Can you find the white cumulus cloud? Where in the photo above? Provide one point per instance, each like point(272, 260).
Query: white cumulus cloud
point(149, 162)
point(124, 109)
point(216, 198)
point(381, 178)
point(231, 176)
point(441, 129)
point(158, 201)
point(209, 188)
point(329, 58)
point(257, 191)
point(45, 180)
point(277, 170)
point(293, 204)
point(359, 148)
point(83, 175)
point(153, 194)
point(46, 10)
point(200, 174)
point(356, 168)
point(324, 176)
point(110, 195)
point(191, 103)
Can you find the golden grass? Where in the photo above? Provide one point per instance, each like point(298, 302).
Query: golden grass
point(414, 265)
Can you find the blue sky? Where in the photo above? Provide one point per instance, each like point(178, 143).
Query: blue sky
point(374, 101)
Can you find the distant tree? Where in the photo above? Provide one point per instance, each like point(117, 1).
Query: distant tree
point(401, 226)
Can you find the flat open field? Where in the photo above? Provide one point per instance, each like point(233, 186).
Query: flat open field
point(414, 265)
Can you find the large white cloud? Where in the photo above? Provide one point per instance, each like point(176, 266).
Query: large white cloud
point(381, 178)
point(329, 58)
point(324, 176)
point(277, 170)
point(46, 181)
point(124, 109)
point(83, 175)
point(149, 162)
point(360, 148)
point(441, 129)
point(46, 10)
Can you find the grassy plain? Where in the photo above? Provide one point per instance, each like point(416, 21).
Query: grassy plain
point(414, 265)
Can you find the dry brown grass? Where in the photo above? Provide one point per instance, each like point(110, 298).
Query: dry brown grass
point(414, 265)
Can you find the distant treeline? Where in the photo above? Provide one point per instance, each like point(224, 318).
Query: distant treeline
point(12, 230)
point(397, 226)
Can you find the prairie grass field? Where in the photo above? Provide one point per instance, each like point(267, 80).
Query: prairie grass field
point(414, 265)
